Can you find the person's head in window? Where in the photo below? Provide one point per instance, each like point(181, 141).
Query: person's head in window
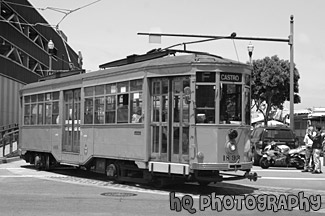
point(137, 115)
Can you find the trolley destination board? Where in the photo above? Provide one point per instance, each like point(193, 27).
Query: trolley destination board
point(230, 77)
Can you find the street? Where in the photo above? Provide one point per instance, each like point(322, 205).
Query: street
point(68, 191)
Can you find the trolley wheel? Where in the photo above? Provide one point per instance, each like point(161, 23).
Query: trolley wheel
point(37, 162)
point(264, 163)
point(299, 165)
point(47, 162)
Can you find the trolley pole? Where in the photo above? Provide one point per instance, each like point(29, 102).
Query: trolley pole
point(234, 37)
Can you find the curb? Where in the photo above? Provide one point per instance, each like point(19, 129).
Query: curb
point(8, 160)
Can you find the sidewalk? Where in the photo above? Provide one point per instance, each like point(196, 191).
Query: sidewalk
point(8, 160)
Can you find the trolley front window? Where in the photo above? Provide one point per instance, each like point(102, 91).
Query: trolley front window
point(230, 103)
point(205, 97)
point(205, 104)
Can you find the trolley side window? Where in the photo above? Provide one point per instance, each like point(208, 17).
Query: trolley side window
point(89, 105)
point(41, 109)
point(122, 102)
point(136, 101)
point(205, 97)
point(122, 108)
point(99, 104)
point(110, 109)
point(114, 103)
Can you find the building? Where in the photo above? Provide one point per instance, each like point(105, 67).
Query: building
point(25, 56)
point(317, 117)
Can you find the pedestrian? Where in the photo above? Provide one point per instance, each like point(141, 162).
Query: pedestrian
point(309, 162)
point(317, 148)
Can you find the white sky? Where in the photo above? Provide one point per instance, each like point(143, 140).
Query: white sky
point(107, 31)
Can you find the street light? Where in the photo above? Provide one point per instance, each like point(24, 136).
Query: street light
point(250, 49)
point(50, 45)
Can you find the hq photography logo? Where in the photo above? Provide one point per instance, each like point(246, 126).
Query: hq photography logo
point(262, 202)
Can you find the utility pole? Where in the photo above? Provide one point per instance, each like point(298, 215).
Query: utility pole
point(292, 125)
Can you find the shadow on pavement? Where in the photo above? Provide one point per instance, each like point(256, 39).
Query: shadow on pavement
point(218, 188)
point(222, 188)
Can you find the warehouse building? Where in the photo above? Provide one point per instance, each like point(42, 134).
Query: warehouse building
point(25, 54)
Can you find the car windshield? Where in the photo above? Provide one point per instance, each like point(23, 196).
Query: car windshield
point(278, 134)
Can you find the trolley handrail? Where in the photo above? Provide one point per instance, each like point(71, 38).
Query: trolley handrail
point(9, 140)
point(8, 127)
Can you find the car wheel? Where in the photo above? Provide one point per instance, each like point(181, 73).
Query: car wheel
point(300, 164)
point(264, 163)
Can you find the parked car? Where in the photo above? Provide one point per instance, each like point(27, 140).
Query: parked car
point(262, 136)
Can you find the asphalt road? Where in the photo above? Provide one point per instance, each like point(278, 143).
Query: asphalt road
point(66, 191)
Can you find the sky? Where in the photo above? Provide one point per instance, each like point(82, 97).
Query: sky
point(107, 30)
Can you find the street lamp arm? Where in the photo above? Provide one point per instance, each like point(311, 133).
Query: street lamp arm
point(216, 37)
point(261, 39)
point(191, 42)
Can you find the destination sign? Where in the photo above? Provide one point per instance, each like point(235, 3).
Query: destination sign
point(230, 77)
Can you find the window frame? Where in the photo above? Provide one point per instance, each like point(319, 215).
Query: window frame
point(202, 111)
point(118, 112)
point(35, 106)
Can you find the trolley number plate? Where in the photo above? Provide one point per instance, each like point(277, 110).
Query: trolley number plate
point(231, 157)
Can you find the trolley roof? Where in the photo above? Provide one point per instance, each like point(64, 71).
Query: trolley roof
point(151, 64)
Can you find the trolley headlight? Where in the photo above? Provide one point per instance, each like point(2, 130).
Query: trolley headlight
point(200, 155)
point(231, 146)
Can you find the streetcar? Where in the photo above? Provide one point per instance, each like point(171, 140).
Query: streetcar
point(164, 116)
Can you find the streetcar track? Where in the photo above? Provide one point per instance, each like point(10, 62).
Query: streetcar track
point(294, 178)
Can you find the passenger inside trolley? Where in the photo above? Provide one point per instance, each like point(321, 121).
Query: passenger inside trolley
point(137, 116)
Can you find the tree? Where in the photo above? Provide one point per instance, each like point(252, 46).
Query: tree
point(271, 85)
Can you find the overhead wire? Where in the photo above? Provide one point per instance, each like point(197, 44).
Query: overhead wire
point(233, 41)
point(60, 10)
point(71, 11)
point(233, 35)
point(66, 12)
